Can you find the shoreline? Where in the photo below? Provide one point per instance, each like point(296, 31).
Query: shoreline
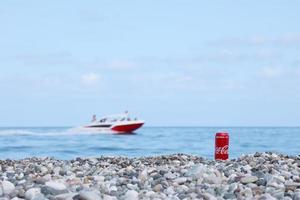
point(178, 176)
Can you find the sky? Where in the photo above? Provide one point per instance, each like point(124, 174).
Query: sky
point(170, 62)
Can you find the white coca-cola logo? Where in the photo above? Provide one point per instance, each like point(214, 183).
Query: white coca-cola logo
point(222, 150)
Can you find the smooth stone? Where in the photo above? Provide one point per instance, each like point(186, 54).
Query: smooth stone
point(269, 190)
point(252, 185)
point(212, 179)
point(79, 174)
point(295, 178)
point(261, 182)
point(258, 174)
point(291, 185)
point(40, 180)
point(74, 181)
point(193, 195)
point(56, 185)
point(180, 180)
point(1, 191)
point(257, 191)
point(131, 195)
point(197, 171)
point(279, 179)
point(20, 176)
point(93, 161)
point(44, 170)
point(143, 175)
point(286, 174)
point(278, 194)
point(273, 183)
point(132, 187)
point(182, 196)
point(232, 187)
point(249, 179)
point(170, 190)
point(108, 197)
point(248, 193)
point(63, 171)
point(47, 177)
point(266, 197)
point(7, 187)
point(21, 182)
point(40, 196)
point(229, 196)
point(156, 176)
point(32, 193)
point(246, 168)
point(21, 193)
point(184, 171)
point(158, 188)
point(208, 196)
point(49, 190)
point(182, 189)
point(90, 195)
point(99, 178)
point(170, 176)
point(287, 198)
point(113, 189)
point(56, 170)
point(296, 196)
point(66, 196)
point(176, 162)
point(150, 194)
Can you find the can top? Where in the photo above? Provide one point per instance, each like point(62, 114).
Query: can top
point(224, 134)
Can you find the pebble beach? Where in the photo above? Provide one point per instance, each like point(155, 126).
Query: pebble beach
point(178, 176)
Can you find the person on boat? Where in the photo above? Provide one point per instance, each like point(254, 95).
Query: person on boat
point(94, 118)
point(127, 116)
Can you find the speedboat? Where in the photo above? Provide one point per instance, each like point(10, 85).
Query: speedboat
point(120, 123)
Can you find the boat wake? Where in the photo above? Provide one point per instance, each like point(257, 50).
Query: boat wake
point(6, 132)
point(49, 132)
point(83, 130)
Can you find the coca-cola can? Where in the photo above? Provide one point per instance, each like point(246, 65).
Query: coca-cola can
point(221, 146)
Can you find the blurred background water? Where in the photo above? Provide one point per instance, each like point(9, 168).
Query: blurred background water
point(68, 143)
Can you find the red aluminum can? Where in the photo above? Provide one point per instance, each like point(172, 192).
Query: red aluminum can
point(221, 146)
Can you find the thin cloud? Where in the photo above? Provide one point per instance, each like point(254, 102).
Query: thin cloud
point(53, 59)
point(290, 39)
point(112, 64)
point(280, 72)
point(272, 72)
point(121, 65)
point(90, 79)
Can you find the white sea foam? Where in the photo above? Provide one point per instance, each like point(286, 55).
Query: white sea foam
point(29, 132)
point(83, 130)
point(4, 132)
point(50, 132)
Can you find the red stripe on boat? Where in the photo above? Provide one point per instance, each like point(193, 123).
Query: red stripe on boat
point(127, 128)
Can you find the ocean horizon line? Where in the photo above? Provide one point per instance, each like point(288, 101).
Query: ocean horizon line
point(165, 126)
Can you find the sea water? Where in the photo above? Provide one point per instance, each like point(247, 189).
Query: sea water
point(68, 143)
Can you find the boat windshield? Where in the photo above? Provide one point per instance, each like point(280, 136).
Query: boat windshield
point(115, 118)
